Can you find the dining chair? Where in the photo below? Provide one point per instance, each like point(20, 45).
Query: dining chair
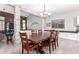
point(57, 37)
point(34, 31)
point(53, 40)
point(27, 44)
point(39, 32)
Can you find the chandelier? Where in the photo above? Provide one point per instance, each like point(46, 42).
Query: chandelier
point(45, 14)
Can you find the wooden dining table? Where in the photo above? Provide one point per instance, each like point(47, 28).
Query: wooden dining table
point(39, 38)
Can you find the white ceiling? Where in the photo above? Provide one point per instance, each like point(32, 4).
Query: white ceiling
point(51, 8)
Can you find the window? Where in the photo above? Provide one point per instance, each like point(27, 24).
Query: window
point(59, 23)
point(23, 23)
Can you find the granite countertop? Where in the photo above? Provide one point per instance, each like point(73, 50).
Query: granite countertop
point(62, 30)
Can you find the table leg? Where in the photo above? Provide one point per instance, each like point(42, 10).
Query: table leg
point(40, 49)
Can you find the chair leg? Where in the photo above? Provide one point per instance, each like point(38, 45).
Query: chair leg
point(57, 42)
point(50, 48)
point(22, 50)
point(37, 49)
point(28, 52)
point(53, 46)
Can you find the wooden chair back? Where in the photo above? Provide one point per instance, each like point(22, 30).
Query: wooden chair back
point(24, 40)
point(53, 40)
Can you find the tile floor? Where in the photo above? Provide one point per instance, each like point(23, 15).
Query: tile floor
point(65, 47)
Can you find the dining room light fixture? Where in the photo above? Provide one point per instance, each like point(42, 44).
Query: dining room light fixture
point(45, 14)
